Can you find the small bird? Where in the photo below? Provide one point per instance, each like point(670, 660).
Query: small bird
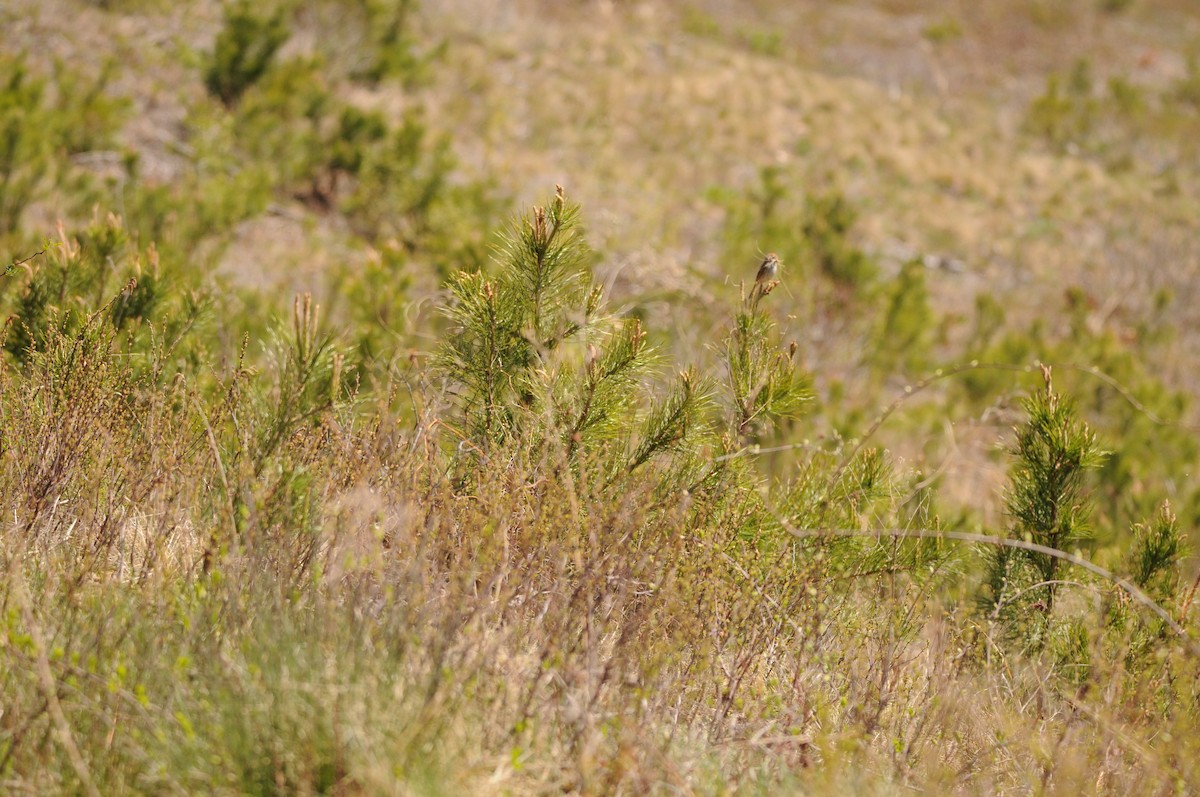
point(768, 269)
point(765, 279)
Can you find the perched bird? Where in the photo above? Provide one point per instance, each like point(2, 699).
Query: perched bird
point(768, 269)
point(765, 280)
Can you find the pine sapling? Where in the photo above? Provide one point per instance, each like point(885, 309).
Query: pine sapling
point(1053, 451)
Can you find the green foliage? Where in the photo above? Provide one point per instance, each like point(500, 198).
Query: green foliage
point(1157, 551)
point(32, 320)
point(243, 51)
point(1053, 450)
point(829, 219)
point(671, 423)
point(400, 184)
point(813, 232)
point(391, 42)
point(1132, 406)
point(85, 114)
point(570, 514)
point(1045, 498)
point(191, 218)
point(24, 157)
point(906, 332)
point(763, 42)
point(389, 179)
point(510, 351)
point(1108, 371)
point(699, 23)
point(514, 348)
point(272, 557)
point(943, 31)
point(606, 394)
point(39, 129)
point(292, 137)
point(765, 383)
point(309, 374)
point(319, 148)
point(1117, 125)
point(1129, 98)
point(504, 330)
point(1153, 561)
point(1065, 115)
point(77, 277)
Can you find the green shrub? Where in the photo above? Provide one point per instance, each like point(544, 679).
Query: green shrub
point(906, 332)
point(942, 31)
point(537, 360)
point(1045, 498)
point(244, 49)
point(1063, 117)
point(1052, 452)
point(1156, 554)
point(698, 23)
point(509, 332)
point(811, 233)
point(765, 384)
point(828, 220)
point(391, 43)
point(24, 154)
point(71, 283)
point(386, 178)
point(40, 129)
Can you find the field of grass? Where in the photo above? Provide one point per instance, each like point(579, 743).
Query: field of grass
point(387, 405)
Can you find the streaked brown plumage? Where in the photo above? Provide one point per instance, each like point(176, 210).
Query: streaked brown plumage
point(768, 269)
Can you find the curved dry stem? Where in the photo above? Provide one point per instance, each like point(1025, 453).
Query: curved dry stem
point(989, 539)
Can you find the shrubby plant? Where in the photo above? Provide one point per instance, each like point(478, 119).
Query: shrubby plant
point(391, 43)
point(39, 128)
point(386, 177)
point(1052, 453)
point(811, 232)
point(290, 136)
point(1115, 121)
point(554, 558)
point(905, 334)
point(456, 526)
point(245, 47)
point(1131, 405)
point(1157, 551)
point(77, 276)
point(765, 384)
point(535, 358)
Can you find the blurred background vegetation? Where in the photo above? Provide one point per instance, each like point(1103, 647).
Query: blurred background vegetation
point(315, 387)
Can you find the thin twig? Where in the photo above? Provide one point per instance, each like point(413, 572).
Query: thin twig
point(13, 265)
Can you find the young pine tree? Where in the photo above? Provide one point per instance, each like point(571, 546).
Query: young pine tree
point(534, 360)
point(1046, 500)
